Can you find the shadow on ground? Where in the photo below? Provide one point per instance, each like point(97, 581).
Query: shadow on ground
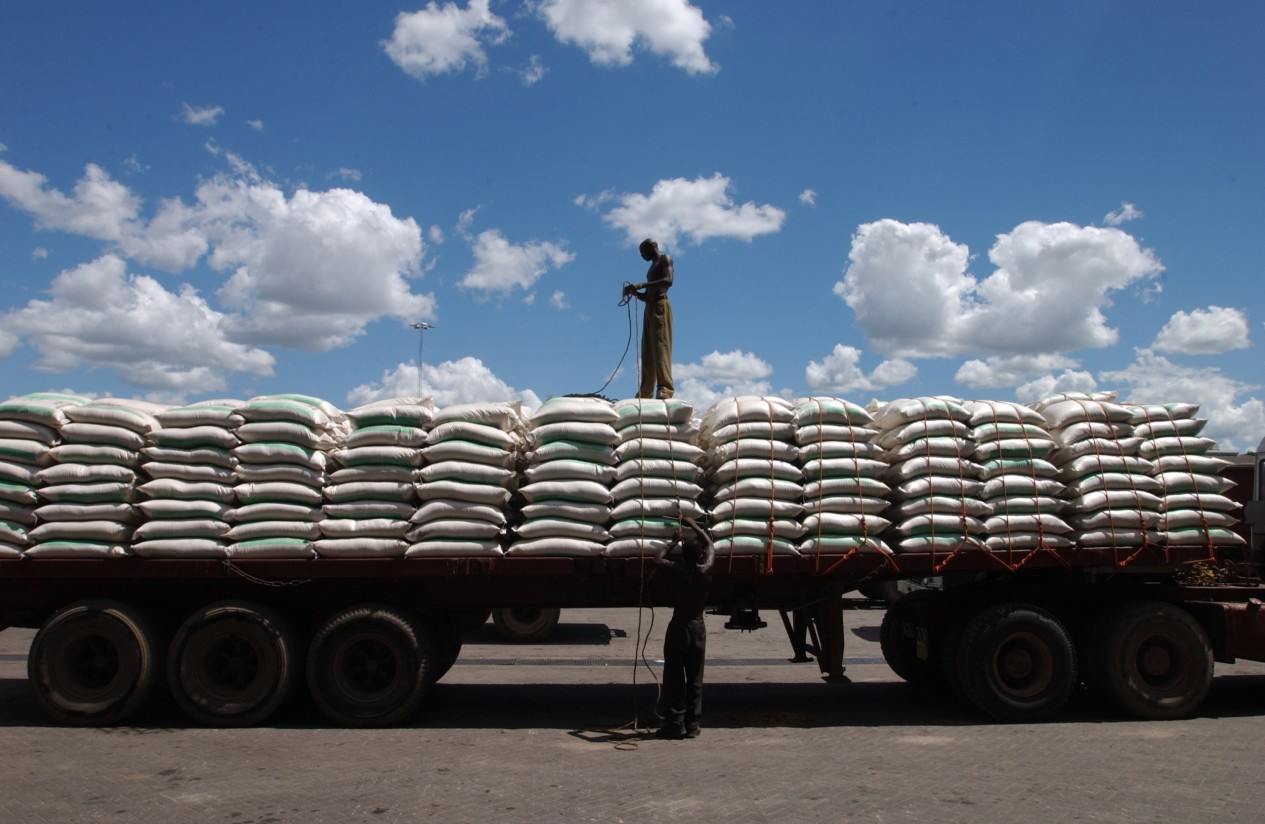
point(563, 635)
point(609, 709)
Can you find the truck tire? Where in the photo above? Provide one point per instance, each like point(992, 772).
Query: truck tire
point(94, 663)
point(232, 664)
point(1152, 660)
point(899, 644)
point(1016, 663)
point(524, 625)
point(370, 666)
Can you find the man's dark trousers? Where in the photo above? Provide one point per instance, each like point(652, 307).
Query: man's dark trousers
point(684, 650)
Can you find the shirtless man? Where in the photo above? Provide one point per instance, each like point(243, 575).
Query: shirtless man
point(656, 338)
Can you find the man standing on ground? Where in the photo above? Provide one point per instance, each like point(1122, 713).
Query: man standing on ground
point(685, 644)
point(656, 338)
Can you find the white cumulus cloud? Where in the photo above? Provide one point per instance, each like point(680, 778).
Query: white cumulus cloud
point(722, 374)
point(533, 72)
point(1009, 370)
point(200, 115)
point(609, 30)
point(699, 209)
point(840, 372)
point(726, 367)
point(99, 207)
point(1236, 417)
point(443, 39)
point(308, 270)
point(500, 266)
point(1203, 332)
point(100, 316)
point(1124, 214)
point(465, 380)
point(911, 292)
point(1070, 380)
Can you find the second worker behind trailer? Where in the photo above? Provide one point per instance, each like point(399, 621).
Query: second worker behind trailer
point(685, 643)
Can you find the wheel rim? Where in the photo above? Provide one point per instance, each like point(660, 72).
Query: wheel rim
point(225, 666)
point(89, 666)
point(1023, 665)
point(1159, 662)
point(233, 664)
point(366, 667)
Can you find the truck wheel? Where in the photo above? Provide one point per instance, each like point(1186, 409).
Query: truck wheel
point(370, 665)
point(899, 642)
point(1152, 660)
point(522, 625)
point(94, 663)
point(232, 664)
point(1016, 663)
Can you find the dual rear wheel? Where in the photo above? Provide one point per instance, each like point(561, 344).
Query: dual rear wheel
point(1016, 662)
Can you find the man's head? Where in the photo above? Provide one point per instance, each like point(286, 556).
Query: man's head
point(648, 249)
point(691, 551)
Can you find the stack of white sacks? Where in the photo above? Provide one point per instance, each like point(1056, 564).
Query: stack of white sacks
point(753, 473)
point(567, 481)
point(844, 492)
point(463, 490)
point(89, 487)
point(29, 431)
point(370, 495)
point(817, 476)
point(1020, 484)
point(1112, 498)
point(657, 475)
point(1193, 507)
point(281, 461)
point(189, 499)
point(936, 489)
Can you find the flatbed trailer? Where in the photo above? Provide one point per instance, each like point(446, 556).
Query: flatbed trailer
point(1013, 633)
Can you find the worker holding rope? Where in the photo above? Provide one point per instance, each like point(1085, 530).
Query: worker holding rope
point(656, 339)
point(685, 644)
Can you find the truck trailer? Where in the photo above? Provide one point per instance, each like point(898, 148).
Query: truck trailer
point(1013, 632)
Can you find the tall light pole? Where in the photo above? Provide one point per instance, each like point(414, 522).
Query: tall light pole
point(421, 327)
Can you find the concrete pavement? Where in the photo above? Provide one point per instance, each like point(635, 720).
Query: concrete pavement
point(543, 732)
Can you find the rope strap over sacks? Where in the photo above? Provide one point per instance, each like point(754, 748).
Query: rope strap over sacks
point(865, 540)
point(1146, 544)
point(1041, 546)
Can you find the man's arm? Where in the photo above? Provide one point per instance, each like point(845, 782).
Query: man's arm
point(663, 270)
point(709, 551)
point(661, 559)
point(660, 277)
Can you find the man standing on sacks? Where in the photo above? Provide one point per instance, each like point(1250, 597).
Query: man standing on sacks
point(685, 644)
point(656, 338)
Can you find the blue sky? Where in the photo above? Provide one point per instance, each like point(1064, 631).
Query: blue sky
point(988, 200)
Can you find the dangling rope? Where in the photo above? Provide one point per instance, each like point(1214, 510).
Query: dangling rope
point(627, 302)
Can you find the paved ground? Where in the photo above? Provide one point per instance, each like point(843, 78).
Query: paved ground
point(542, 733)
